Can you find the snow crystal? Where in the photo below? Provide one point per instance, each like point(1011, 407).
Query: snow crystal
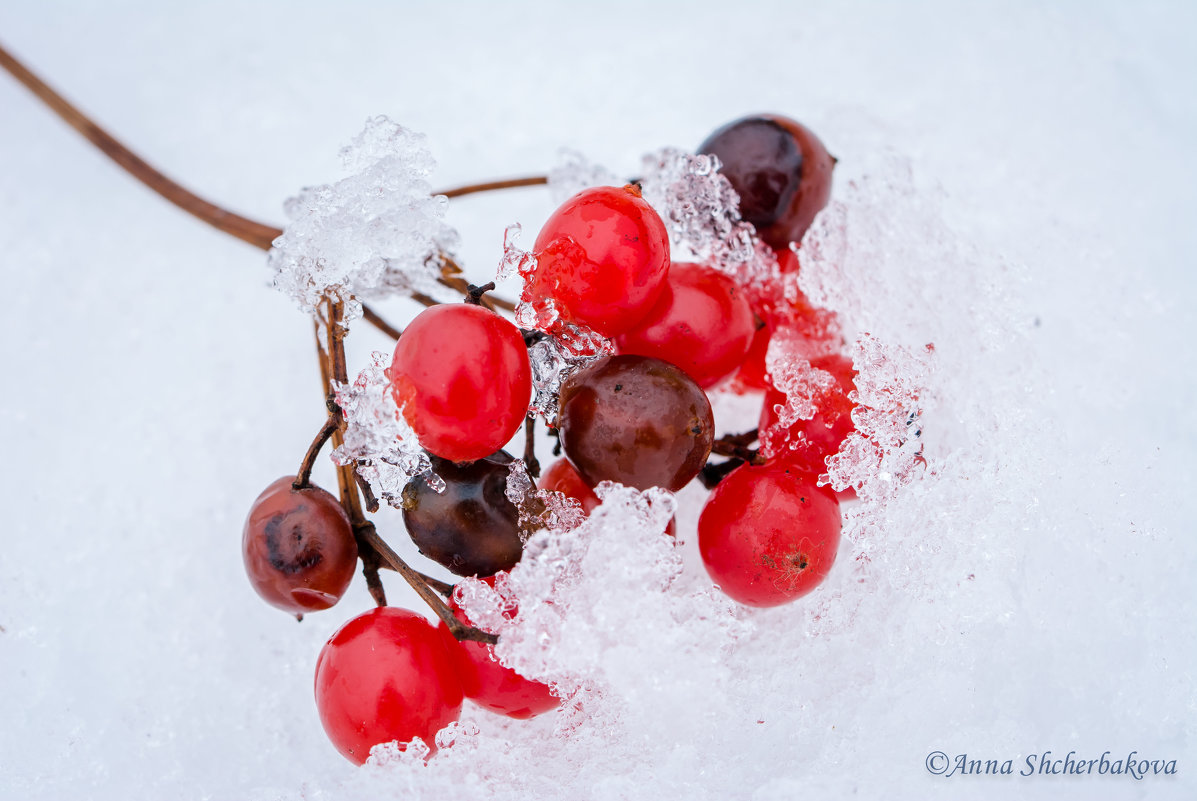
point(574, 172)
point(379, 231)
point(885, 449)
point(701, 212)
point(540, 509)
point(378, 440)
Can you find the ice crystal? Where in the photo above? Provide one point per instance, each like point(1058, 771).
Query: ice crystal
point(574, 172)
point(379, 443)
point(701, 212)
point(378, 231)
point(885, 451)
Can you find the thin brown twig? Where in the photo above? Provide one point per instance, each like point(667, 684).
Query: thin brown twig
point(530, 460)
point(490, 186)
point(371, 546)
point(304, 477)
point(255, 233)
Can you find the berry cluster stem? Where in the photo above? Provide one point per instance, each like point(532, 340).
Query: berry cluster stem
point(373, 549)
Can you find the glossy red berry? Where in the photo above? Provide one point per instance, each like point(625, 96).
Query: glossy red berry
point(601, 258)
point(769, 535)
point(701, 322)
point(462, 377)
point(807, 443)
point(780, 170)
point(385, 675)
point(298, 547)
point(562, 477)
point(490, 684)
point(638, 421)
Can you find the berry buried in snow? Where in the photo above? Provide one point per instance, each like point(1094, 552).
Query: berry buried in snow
point(635, 420)
point(489, 683)
point(806, 444)
point(769, 535)
point(701, 322)
point(780, 170)
point(601, 259)
point(462, 378)
point(298, 547)
point(385, 675)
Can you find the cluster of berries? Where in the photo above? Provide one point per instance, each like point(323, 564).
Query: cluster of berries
point(638, 416)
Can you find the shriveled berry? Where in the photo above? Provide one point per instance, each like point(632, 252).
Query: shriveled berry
point(298, 547)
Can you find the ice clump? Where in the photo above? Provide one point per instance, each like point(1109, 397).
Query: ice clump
point(379, 231)
point(574, 172)
point(541, 314)
point(378, 442)
point(600, 597)
point(700, 210)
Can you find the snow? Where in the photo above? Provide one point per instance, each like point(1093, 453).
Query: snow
point(1014, 185)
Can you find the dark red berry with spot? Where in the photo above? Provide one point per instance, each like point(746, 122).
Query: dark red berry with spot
point(635, 420)
point(298, 547)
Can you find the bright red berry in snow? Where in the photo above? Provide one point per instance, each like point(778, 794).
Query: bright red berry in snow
point(810, 332)
point(385, 675)
point(780, 170)
point(602, 259)
point(298, 547)
point(701, 322)
point(462, 378)
point(807, 443)
point(641, 422)
point(490, 684)
point(769, 534)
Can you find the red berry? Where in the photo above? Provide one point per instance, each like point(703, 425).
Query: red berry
point(562, 477)
point(769, 534)
point(602, 259)
point(298, 547)
point(702, 323)
point(462, 377)
point(639, 421)
point(807, 443)
point(385, 675)
point(780, 170)
point(487, 682)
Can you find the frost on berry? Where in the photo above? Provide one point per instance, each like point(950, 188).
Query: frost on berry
point(540, 509)
point(378, 441)
point(552, 363)
point(701, 212)
point(885, 452)
point(378, 231)
point(574, 172)
point(532, 314)
point(603, 599)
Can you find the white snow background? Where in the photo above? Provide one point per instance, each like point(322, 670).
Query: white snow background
point(1018, 187)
